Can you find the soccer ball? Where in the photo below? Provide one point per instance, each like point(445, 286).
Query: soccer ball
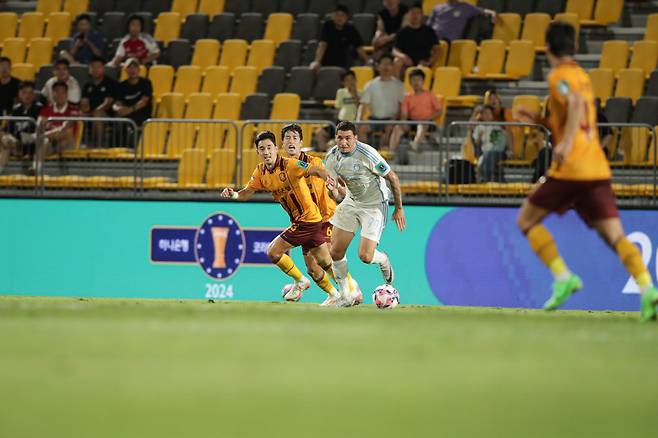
point(289, 295)
point(386, 296)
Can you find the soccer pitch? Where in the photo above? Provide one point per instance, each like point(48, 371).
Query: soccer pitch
point(119, 368)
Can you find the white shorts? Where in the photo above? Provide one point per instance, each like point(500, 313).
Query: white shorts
point(371, 219)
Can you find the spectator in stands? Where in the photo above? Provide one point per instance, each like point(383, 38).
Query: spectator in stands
point(449, 19)
point(491, 97)
point(8, 87)
point(56, 135)
point(136, 44)
point(416, 43)
point(134, 95)
point(338, 40)
point(86, 42)
point(490, 144)
point(381, 99)
point(20, 140)
point(97, 98)
point(418, 104)
point(61, 73)
point(347, 102)
point(390, 20)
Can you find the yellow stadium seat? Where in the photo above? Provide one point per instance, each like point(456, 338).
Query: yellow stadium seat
point(199, 106)
point(248, 162)
point(279, 27)
point(184, 7)
point(24, 72)
point(645, 55)
point(630, 83)
point(183, 135)
point(14, 49)
point(191, 169)
point(40, 52)
point(221, 168)
point(188, 80)
point(614, 55)
point(48, 6)
point(216, 80)
point(447, 85)
point(32, 24)
point(59, 26)
point(261, 54)
point(162, 78)
point(462, 55)
point(76, 7)
point(234, 53)
point(143, 72)
point(571, 18)
point(221, 135)
point(521, 148)
point(211, 7)
point(8, 25)
point(582, 8)
point(520, 59)
point(442, 59)
point(284, 107)
point(428, 77)
point(244, 81)
point(651, 31)
point(490, 60)
point(363, 75)
point(534, 29)
point(172, 106)
point(206, 53)
point(154, 135)
point(606, 12)
point(167, 27)
point(507, 27)
point(603, 80)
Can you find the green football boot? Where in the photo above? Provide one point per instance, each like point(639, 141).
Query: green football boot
point(562, 290)
point(649, 303)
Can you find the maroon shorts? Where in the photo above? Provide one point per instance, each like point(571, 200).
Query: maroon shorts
point(592, 200)
point(308, 235)
point(325, 236)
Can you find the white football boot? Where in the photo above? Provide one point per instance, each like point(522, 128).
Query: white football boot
point(353, 297)
point(297, 290)
point(387, 270)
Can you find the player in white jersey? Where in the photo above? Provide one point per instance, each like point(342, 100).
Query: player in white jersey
point(357, 178)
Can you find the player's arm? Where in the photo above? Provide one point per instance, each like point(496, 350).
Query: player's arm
point(317, 171)
point(336, 188)
point(398, 213)
point(242, 195)
point(575, 105)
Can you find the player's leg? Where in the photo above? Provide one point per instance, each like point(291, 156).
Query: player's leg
point(396, 136)
point(340, 241)
point(373, 221)
point(319, 264)
point(421, 133)
point(7, 144)
point(277, 253)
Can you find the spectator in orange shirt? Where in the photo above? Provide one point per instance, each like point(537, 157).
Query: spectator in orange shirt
point(418, 104)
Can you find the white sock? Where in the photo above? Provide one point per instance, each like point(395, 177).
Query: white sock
point(379, 257)
point(340, 272)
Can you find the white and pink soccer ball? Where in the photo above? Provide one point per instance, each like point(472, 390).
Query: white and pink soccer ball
point(386, 296)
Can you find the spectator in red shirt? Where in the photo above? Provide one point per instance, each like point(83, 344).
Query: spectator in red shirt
point(418, 104)
point(136, 44)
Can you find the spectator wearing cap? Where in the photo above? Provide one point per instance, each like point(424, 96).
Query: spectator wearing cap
point(416, 43)
point(134, 95)
point(61, 73)
point(86, 42)
point(98, 95)
point(449, 20)
point(338, 40)
point(136, 44)
point(390, 19)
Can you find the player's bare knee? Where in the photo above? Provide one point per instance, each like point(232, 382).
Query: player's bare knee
point(365, 255)
point(274, 253)
point(336, 253)
point(315, 272)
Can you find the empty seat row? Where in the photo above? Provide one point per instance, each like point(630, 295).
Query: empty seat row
point(629, 83)
point(615, 55)
point(37, 53)
point(493, 57)
point(56, 25)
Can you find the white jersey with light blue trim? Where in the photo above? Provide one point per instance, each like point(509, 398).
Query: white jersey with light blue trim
point(363, 171)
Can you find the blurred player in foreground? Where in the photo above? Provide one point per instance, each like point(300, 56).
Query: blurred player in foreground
point(578, 178)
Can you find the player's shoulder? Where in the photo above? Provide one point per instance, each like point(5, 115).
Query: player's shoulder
point(368, 152)
point(332, 154)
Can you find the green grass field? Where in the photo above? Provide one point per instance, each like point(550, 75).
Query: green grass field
point(120, 368)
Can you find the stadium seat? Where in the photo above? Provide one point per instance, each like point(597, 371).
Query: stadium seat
point(301, 82)
point(494, 5)
point(167, 27)
point(603, 80)
point(462, 55)
point(234, 53)
point(285, 106)
point(149, 23)
point(48, 6)
point(251, 27)
point(550, 7)
point(651, 30)
point(321, 7)
point(40, 52)
point(43, 74)
point(177, 53)
point(113, 25)
point(617, 110)
point(14, 49)
point(128, 7)
point(294, 7)
point(645, 55)
point(306, 27)
point(520, 59)
point(80, 73)
point(188, 80)
point(279, 27)
point(248, 162)
point(24, 72)
point(271, 81)
point(571, 18)
point(261, 54)
point(265, 7)
point(363, 74)
point(428, 77)
point(236, 7)
point(8, 25)
point(59, 26)
point(614, 55)
point(490, 60)
point(211, 7)
point(582, 8)
point(183, 135)
point(32, 24)
point(534, 29)
point(447, 82)
point(309, 53)
point(652, 84)
point(195, 27)
point(635, 141)
point(288, 54)
point(606, 12)
point(227, 107)
point(220, 168)
point(523, 148)
point(154, 135)
point(327, 83)
point(206, 53)
point(442, 59)
point(244, 80)
point(521, 7)
point(184, 7)
point(216, 79)
point(162, 78)
point(630, 83)
point(191, 169)
point(76, 7)
point(221, 27)
point(255, 107)
point(507, 27)
point(365, 24)
point(156, 7)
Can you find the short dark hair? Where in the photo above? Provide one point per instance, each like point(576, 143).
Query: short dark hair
point(5, 59)
point(62, 61)
point(346, 74)
point(61, 84)
point(97, 59)
point(265, 135)
point(342, 8)
point(386, 55)
point(294, 127)
point(561, 39)
point(83, 16)
point(26, 84)
point(417, 72)
point(346, 126)
point(134, 17)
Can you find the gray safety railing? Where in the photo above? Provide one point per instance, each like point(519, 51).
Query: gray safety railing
point(18, 141)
